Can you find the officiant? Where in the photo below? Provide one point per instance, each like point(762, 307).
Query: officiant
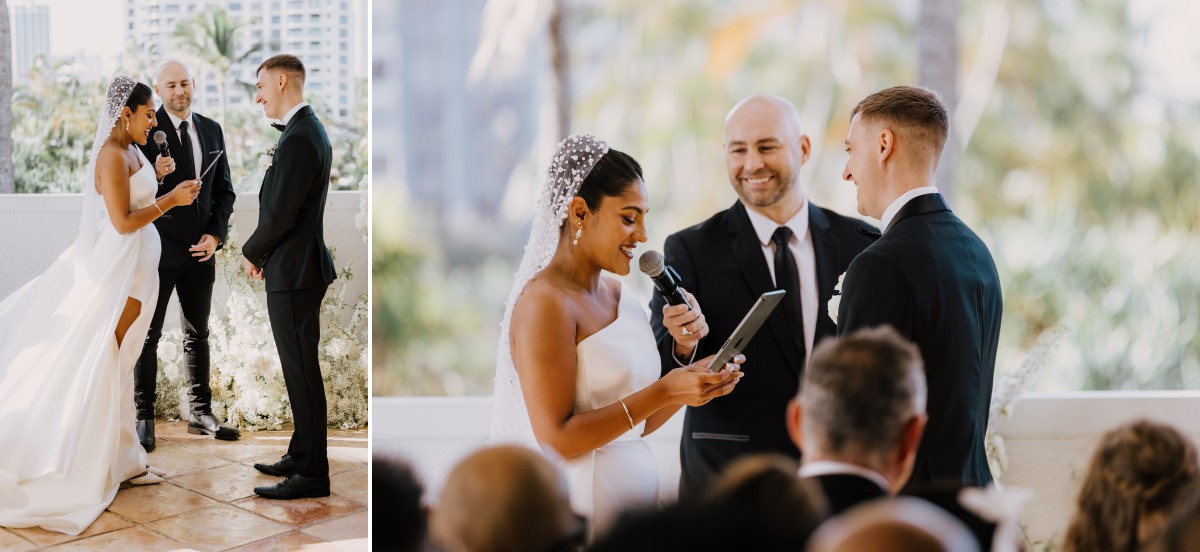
point(190, 238)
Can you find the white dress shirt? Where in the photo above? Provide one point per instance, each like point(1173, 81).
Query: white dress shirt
point(192, 134)
point(806, 262)
point(890, 213)
point(832, 467)
point(292, 113)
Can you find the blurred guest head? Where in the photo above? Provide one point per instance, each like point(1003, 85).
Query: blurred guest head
point(504, 499)
point(764, 150)
point(895, 141)
point(398, 517)
point(1182, 533)
point(1133, 484)
point(862, 403)
point(895, 525)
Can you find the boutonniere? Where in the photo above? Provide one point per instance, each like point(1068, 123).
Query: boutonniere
point(836, 300)
point(267, 159)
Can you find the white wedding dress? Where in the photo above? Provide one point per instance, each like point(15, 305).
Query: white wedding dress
point(66, 389)
point(612, 364)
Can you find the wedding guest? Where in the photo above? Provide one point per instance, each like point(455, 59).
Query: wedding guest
point(1182, 533)
point(772, 238)
point(897, 525)
point(505, 499)
point(1134, 482)
point(859, 415)
point(397, 515)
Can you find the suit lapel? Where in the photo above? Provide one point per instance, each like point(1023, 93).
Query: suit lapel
point(747, 252)
point(825, 254)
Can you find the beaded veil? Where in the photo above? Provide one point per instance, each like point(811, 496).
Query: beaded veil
point(573, 160)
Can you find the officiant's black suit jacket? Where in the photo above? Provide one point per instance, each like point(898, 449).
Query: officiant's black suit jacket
point(289, 243)
point(182, 226)
point(721, 262)
point(933, 280)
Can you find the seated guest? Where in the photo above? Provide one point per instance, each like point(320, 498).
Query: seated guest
point(1182, 533)
point(1134, 482)
point(397, 513)
point(895, 525)
point(859, 416)
point(505, 499)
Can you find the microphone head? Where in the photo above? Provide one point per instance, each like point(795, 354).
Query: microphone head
point(651, 263)
point(160, 138)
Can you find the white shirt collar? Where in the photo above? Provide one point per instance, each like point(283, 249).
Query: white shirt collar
point(764, 227)
point(832, 467)
point(292, 113)
point(176, 120)
point(886, 220)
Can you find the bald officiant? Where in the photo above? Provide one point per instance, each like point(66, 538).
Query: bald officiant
point(190, 238)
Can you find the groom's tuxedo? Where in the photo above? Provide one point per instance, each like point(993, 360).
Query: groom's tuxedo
point(933, 280)
point(178, 270)
point(289, 246)
point(721, 262)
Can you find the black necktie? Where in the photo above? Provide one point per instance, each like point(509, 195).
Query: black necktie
point(278, 126)
point(787, 277)
point(185, 157)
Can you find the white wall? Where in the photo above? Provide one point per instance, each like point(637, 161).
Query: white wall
point(36, 228)
point(1049, 439)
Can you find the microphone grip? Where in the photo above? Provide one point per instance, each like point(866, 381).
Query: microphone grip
point(667, 285)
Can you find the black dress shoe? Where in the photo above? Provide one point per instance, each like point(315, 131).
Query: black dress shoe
point(145, 431)
point(283, 468)
point(295, 486)
point(207, 424)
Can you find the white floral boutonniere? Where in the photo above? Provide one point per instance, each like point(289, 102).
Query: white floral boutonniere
point(267, 159)
point(836, 301)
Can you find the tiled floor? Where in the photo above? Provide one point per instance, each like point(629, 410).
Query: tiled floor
point(207, 502)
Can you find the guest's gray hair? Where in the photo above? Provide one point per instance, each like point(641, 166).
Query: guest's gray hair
point(859, 391)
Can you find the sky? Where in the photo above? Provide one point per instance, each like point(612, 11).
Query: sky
point(93, 26)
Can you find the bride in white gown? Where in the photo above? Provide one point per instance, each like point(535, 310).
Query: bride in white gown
point(70, 337)
point(578, 371)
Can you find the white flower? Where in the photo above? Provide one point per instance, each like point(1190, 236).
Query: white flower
point(265, 161)
point(168, 350)
point(836, 301)
point(335, 348)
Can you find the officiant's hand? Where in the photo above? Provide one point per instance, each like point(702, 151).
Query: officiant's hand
point(205, 248)
point(687, 326)
point(163, 166)
point(694, 385)
point(251, 270)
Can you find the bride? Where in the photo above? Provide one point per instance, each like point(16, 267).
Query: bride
point(70, 337)
point(578, 371)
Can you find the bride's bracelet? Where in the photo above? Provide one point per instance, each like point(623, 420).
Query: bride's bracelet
point(160, 211)
point(627, 414)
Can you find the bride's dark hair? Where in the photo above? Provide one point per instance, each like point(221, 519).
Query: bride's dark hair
point(614, 173)
point(141, 95)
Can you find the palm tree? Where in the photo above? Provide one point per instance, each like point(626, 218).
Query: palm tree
point(937, 43)
point(7, 183)
point(213, 38)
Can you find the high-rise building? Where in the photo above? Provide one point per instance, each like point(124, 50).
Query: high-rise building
point(325, 34)
point(31, 35)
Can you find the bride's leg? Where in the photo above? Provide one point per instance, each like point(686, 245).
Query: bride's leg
point(133, 308)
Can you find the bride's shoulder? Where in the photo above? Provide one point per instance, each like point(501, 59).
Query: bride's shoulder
point(541, 300)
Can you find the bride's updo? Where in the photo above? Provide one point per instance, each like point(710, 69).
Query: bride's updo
point(141, 95)
point(613, 174)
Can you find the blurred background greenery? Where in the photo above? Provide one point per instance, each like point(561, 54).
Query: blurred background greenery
point(1075, 154)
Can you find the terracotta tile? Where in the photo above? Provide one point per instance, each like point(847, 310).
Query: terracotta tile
point(236, 451)
point(351, 484)
point(353, 526)
point(150, 502)
point(301, 512)
point(178, 461)
point(10, 541)
point(352, 454)
point(133, 539)
point(352, 438)
point(173, 433)
point(107, 522)
point(226, 483)
point(217, 528)
point(288, 541)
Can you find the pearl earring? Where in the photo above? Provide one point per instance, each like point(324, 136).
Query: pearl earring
point(578, 232)
point(127, 125)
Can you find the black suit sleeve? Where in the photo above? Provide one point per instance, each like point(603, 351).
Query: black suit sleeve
point(296, 162)
point(223, 195)
point(674, 254)
point(875, 292)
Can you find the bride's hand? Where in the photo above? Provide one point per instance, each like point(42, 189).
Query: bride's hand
point(694, 385)
point(184, 193)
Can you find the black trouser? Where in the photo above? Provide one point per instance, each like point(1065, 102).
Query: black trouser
point(194, 283)
point(296, 324)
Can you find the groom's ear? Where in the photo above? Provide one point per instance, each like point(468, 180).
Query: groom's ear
point(795, 423)
point(887, 143)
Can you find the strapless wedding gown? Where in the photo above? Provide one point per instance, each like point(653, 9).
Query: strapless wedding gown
point(66, 390)
point(613, 363)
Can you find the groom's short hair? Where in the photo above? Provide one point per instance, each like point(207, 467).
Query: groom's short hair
point(284, 62)
point(915, 109)
point(860, 390)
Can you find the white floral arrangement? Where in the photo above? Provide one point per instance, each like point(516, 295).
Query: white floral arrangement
point(835, 302)
point(1011, 388)
point(246, 377)
point(268, 158)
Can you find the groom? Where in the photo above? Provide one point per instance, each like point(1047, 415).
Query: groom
point(928, 276)
point(288, 251)
point(190, 237)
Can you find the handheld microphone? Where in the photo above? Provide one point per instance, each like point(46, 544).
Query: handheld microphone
point(160, 138)
point(666, 280)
